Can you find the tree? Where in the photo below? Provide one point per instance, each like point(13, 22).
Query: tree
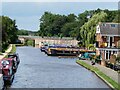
point(9, 31)
point(83, 17)
point(70, 29)
point(51, 24)
point(22, 32)
point(111, 15)
point(81, 27)
point(71, 18)
point(87, 31)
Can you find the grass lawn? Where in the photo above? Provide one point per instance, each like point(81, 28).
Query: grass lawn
point(101, 74)
point(13, 49)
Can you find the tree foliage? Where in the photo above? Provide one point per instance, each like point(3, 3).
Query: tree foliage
point(88, 30)
point(27, 32)
point(22, 32)
point(9, 31)
point(81, 27)
point(60, 25)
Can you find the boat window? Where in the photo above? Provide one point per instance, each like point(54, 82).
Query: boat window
point(5, 62)
point(112, 25)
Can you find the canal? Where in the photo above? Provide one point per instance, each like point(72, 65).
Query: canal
point(37, 70)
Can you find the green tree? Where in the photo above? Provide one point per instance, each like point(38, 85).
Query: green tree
point(51, 24)
point(82, 27)
point(22, 32)
point(70, 29)
point(9, 31)
point(71, 18)
point(88, 30)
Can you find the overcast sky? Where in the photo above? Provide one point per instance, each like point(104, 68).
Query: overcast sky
point(27, 14)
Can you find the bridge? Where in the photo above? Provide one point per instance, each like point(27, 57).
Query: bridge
point(38, 41)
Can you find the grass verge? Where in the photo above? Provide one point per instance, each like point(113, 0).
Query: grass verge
point(12, 51)
point(107, 79)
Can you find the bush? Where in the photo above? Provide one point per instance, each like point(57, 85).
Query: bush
point(29, 42)
point(4, 47)
point(91, 47)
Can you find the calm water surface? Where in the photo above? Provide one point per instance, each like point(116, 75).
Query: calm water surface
point(37, 70)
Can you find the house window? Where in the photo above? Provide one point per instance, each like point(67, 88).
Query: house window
point(112, 25)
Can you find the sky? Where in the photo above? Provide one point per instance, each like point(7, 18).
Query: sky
point(27, 14)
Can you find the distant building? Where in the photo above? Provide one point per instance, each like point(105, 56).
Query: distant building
point(39, 41)
point(55, 40)
point(107, 39)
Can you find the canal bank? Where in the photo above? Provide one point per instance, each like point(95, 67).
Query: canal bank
point(103, 73)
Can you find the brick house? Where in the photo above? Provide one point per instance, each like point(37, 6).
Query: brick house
point(107, 40)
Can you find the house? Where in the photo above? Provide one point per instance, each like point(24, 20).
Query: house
point(107, 40)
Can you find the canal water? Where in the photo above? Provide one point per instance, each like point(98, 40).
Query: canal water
point(37, 70)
